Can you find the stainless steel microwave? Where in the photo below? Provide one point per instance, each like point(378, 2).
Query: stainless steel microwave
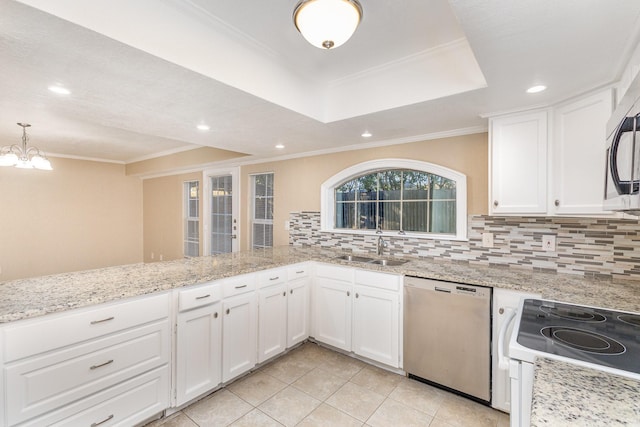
point(622, 185)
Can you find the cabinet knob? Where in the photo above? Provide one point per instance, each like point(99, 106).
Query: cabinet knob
point(501, 311)
point(227, 311)
point(495, 203)
point(284, 294)
point(348, 293)
point(357, 295)
point(291, 291)
point(557, 202)
point(215, 315)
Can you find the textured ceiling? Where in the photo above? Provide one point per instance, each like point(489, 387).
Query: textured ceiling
point(143, 77)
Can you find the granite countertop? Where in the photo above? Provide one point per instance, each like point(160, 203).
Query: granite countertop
point(27, 298)
point(565, 394)
point(556, 384)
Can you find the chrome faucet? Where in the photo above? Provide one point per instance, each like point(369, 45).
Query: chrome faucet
point(381, 245)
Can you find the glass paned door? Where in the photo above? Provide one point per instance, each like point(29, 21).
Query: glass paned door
point(222, 218)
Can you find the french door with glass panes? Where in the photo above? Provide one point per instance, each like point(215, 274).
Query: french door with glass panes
point(220, 219)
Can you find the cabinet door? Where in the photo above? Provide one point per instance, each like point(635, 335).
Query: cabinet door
point(199, 356)
point(272, 321)
point(239, 335)
point(518, 150)
point(579, 155)
point(298, 312)
point(333, 312)
point(376, 332)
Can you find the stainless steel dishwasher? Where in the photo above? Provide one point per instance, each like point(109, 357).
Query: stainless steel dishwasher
point(447, 335)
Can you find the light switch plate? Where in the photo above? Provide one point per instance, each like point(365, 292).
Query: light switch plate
point(487, 240)
point(549, 243)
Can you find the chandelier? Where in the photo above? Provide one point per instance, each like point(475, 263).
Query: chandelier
point(327, 24)
point(22, 156)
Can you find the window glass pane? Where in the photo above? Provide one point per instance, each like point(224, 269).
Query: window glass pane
point(366, 215)
point(390, 184)
point(416, 186)
point(262, 220)
point(389, 214)
point(443, 217)
point(346, 191)
point(345, 215)
point(414, 216)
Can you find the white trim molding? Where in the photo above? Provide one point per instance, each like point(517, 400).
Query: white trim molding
point(327, 195)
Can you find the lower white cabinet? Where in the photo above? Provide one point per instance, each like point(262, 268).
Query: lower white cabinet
point(376, 316)
point(272, 321)
point(198, 352)
point(333, 312)
point(239, 335)
point(297, 311)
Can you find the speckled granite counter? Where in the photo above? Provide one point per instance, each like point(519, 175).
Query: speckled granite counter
point(22, 299)
point(570, 395)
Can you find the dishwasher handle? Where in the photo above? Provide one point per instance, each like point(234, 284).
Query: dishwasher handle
point(503, 360)
point(439, 289)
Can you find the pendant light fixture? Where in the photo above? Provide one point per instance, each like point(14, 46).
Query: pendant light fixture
point(22, 156)
point(327, 24)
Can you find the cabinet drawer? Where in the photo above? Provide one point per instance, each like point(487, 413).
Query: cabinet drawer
point(336, 273)
point(272, 277)
point(238, 285)
point(297, 271)
point(31, 337)
point(45, 383)
point(389, 282)
point(125, 404)
point(199, 296)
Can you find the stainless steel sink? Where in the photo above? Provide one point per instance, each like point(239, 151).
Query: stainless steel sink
point(355, 258)
point(389, 262)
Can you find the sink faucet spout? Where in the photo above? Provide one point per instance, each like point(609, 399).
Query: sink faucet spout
point(381, 246)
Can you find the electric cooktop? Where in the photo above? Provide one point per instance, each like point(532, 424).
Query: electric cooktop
point(593, 335)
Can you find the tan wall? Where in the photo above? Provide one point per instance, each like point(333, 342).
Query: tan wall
point(81, 215)
point(163, 216)
point(297, 181)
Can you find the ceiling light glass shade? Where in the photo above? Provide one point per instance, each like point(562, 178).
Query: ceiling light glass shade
point(327, 24)
point(24, 157)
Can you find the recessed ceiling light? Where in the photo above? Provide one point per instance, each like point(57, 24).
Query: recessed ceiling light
point(203, 127)
point(59, 90)
point(366, 134)
point(280, 146)
point(536, 89)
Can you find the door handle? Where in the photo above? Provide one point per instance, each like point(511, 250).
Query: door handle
point(503, 361)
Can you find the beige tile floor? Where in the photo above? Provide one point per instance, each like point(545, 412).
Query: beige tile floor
point(314, 386)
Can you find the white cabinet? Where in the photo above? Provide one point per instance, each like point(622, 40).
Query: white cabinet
point(77, 365)
point(578, 155)
point(505, 305)
point(272, 321)
point(376, 317)
point(518, 163)
point(239, 334)
point(333, 306)
point(198, 342)
point(298, 314)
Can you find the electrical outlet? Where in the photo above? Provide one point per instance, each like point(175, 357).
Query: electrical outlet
point(549, 243)
point(287, 226)
point(161, 257)
point(487, 240)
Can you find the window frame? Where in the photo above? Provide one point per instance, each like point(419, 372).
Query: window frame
point(186, 209)
point(328, 203)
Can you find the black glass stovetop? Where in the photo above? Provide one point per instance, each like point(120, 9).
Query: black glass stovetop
point(595, 335)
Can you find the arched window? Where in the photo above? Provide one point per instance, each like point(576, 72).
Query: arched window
point(396, 197)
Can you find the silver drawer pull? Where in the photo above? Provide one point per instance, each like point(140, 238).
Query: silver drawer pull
point(241, 286)
point(93, 322)
point(102, 422)
point(300, 272)
point(102, 364)
point(274, 278)
point(204, 296)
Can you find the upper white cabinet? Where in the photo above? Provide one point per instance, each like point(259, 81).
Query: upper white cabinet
point(578, 155)
point(551, 161)
point(518, 161)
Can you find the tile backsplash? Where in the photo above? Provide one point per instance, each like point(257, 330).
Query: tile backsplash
point(595, 247)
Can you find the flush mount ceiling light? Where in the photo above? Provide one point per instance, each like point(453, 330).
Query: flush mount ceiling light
point(327, 24)
point(536, 89)
point(22, 156)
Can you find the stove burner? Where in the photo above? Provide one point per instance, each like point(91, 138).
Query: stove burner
point(630, 319)
point(573, 313)
point(583, 340)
